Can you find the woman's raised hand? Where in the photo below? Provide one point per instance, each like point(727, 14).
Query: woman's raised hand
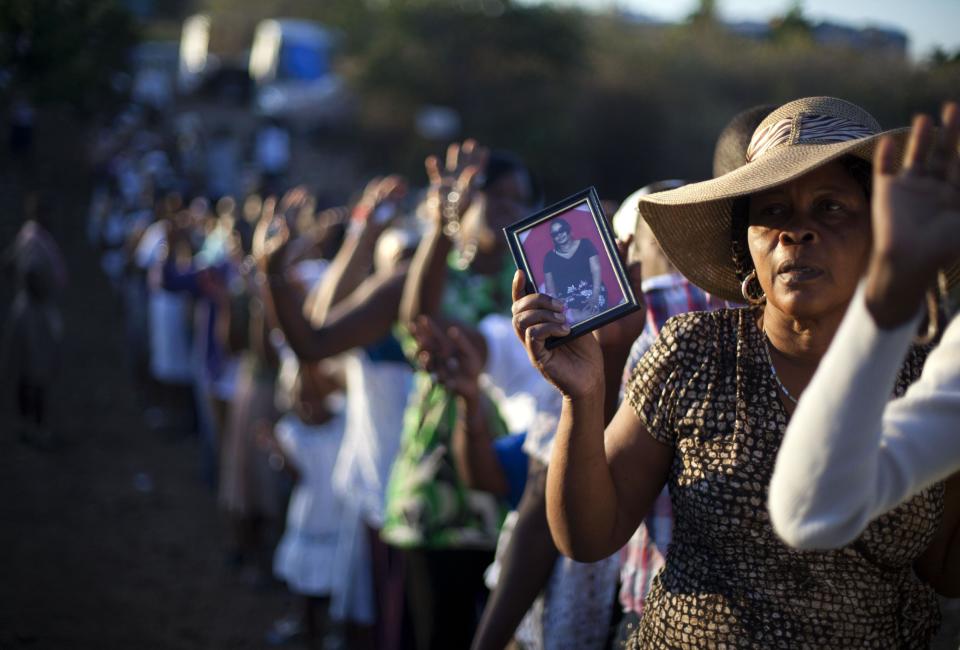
point(575, 368)
point(449, 355)
point(453, 184)
point(916, 217)
point(377, 206)
point(267, 213)
point(294, 201)
point(271, 238)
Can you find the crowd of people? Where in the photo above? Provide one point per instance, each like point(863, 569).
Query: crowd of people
point(390, 437)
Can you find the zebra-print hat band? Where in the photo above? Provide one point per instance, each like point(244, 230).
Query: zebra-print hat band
point(805, 129)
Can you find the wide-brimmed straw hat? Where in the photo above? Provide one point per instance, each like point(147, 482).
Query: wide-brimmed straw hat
point(692, 223)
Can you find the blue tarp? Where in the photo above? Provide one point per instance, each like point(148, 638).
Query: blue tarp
point(302, 61)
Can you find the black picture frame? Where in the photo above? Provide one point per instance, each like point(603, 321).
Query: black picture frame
point(515, 239)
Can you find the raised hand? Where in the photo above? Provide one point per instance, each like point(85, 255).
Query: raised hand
point(453, 185)
point(267, 211)
point(270, 238)
point(449, 355)
point(294, 201)
point(378, 205)
point(575, 368)
point(916, 217)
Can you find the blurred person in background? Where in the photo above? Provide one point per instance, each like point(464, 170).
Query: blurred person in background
point(351, 313)
point(33, 335)
point(169, 255)
point(205, 277)
point(224, 160)
point(22, 120)
point(249, 489)
point(189, 151)
point(147, 247)
point(271, 154)
point(307, 440)
point(460, 274)
point(223, 254)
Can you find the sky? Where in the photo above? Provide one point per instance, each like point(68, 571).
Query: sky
point(928, 23)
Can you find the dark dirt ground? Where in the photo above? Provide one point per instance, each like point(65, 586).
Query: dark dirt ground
point(88, 560)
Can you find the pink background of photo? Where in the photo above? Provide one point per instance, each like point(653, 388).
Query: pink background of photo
point(537, 242)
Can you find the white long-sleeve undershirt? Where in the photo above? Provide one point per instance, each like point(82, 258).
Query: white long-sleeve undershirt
point(849, 455)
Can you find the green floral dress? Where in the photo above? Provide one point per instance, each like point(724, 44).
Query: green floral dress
point(427, 505)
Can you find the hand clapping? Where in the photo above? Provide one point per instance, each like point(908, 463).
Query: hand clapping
point(449, 355)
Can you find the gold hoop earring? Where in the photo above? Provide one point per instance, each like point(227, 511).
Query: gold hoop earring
point(937, 311)
point(751, 295)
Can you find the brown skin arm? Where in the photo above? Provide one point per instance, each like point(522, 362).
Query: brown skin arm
point(596, 278)
point(260, 342)
point(364, 317)
point(601, 484)
point(349, 268)
point(531, 554)
point(428, 271)
point(550, 287)
point(337, 323)
point(452, 355)
point(353, 261)
point(473, 451)
point(423, 290)
point(525, 567)
point(601, 480)
point(940, 563)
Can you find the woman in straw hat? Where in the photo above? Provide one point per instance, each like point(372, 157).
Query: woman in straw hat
point(848, 456)
point(707, 406)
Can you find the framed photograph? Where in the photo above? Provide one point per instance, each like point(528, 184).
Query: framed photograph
point(567, 251)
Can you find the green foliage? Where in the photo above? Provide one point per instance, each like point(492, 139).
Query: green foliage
point(512, 77)
point(585, 98)
point(65, 52)
point(793, 25)
point(705, 15)
point(941, 57)
point(684, 85)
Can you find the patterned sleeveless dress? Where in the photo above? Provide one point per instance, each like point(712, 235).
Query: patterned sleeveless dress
point(705, 389)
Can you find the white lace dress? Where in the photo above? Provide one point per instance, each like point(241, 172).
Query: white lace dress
point(305, 556)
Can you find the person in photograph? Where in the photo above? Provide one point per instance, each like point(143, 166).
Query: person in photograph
point(572, 273)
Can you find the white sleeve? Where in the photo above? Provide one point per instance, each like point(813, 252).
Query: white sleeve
point(848, 455)
point(289, 433)
point(507, 360)
point(508, 376)
point(543, 427)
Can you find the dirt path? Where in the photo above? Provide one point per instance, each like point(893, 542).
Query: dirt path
point(111, 540)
